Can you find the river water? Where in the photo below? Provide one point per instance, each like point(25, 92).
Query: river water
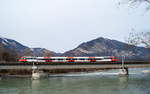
point(108, 82)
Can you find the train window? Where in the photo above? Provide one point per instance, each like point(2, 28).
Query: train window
point(95, 59)
point(47, 59)
point(52, 59)
point(60, 59)
point(41, 58)
point(69, 59)
point(82, 59)
point(91, 59)
point(98, 58)
point(30, 58)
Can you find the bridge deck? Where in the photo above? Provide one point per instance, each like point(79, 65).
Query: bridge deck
point(73, 66)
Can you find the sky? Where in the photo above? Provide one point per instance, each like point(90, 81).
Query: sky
point(61, 25)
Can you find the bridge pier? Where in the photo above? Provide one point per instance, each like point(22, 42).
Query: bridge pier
point(123, 72)
point(37, 74)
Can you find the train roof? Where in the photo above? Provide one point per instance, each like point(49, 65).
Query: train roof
point(70, 57)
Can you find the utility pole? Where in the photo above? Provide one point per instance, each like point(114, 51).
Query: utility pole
point(123, 57)
point(123, 70)
point(34, 68)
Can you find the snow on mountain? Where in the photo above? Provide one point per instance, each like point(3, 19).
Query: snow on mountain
point(12, 44)
point(97, 47)
point(21, 49)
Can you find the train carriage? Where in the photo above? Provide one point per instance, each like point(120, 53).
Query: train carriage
point(68, 59)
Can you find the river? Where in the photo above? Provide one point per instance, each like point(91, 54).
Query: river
point(108, 82)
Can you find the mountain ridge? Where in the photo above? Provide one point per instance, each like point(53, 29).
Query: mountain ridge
point(96, 47)
point(107, 47)
point(20, 49)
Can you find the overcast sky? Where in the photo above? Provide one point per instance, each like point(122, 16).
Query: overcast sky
point(61, 25)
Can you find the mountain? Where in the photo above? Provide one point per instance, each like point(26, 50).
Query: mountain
point(12, 44)
point(22, 50)
point(97, 47)
point(42, 52)
point(107, 47)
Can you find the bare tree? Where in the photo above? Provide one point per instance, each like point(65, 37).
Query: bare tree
point(137, 3)
point(140, 1)
point(7, 54)
point(27, 52)
point(140, 38)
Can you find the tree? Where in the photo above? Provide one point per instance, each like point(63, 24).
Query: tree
point(140, 38)
point(27, 52)
point(1, 52)
point(7, 54)
point(137, 2)
point(141, 1)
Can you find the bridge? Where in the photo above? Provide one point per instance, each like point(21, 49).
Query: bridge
point(51, 66)
point(35, 67)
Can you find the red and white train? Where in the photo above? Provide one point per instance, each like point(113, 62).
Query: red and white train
point(68, 59)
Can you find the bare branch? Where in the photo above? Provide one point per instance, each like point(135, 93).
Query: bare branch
point(141, 38)
point(148, 1)
point(136, 3)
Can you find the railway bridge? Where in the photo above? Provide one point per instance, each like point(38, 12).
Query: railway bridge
point(63, 66)
point(113, 65)
point(18, 65)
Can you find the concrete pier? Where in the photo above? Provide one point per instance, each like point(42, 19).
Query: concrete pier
point(37, 74)
point(123, 72)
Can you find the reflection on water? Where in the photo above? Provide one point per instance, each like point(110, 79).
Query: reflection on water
point(123, 79)
point(135, 83)
point(35, 85)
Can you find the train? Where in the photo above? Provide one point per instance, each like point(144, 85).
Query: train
point(68, 59)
